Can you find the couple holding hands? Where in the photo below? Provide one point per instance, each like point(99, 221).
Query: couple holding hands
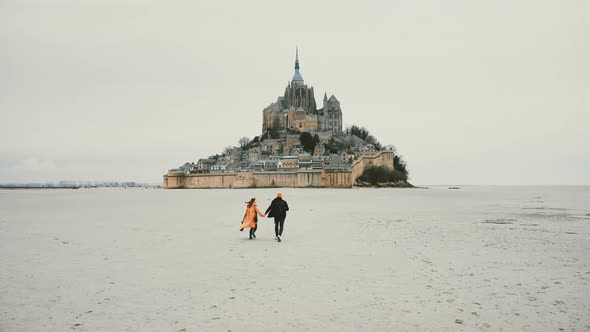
point(277, 209)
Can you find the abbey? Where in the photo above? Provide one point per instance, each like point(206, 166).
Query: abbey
point(296, 111)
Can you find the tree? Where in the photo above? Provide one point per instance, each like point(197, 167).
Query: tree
point(401, 172)
point(382, 174)
point(332, 147)
point(357, 131)
point(307, 141)
point(364, 134)
point(253, 143)
point(390, 147)
point(244, 142)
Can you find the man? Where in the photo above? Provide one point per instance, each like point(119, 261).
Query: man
point(278, 209)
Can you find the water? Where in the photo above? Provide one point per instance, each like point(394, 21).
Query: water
point(476, 258)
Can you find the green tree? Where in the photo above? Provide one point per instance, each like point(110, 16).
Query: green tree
point(401, 171)
point(332, 146)
point(253, 143)
point(364, 134)
point(307, 141)
point(382, 174)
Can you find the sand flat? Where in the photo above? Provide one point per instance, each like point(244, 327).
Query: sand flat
point(473, 259)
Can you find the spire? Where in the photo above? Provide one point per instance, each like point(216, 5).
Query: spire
point(297, 77)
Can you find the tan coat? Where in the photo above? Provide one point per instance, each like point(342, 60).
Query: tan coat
point(249, 217)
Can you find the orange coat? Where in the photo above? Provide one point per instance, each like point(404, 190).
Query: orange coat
point(249, 220)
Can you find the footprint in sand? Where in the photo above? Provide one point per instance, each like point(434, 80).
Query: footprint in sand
point(80, 315)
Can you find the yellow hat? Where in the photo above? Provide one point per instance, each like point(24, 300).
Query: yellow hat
point(280, 195)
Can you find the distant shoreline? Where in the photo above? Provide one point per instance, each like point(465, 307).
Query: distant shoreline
point(31, 187)
point(76, 187)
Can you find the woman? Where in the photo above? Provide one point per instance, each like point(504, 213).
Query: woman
point(250, 218)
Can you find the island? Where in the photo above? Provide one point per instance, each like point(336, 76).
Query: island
point(300, 145)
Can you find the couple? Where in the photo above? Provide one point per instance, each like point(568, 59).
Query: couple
point(278, 209)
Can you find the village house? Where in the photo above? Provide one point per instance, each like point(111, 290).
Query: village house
point(270, 146)
point(188, 168)
point(319, 150)
point(254, 154)
point(270, 165)
point(367, 150)
point(244, 166)
point(317, 162)
point(288, 163)
point(305, 161)
point(336, 164)
point(204, 164)
point(218, 168)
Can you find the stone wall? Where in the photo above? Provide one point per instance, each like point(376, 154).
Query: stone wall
point(296, 179)
point(381, 158)
point(299, 179)
point(174, 180)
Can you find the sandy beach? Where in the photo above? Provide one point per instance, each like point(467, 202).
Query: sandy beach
point(472, 259)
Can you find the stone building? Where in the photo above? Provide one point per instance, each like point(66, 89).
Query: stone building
point(188, 168)
point(203, 165)
point(290, 142)
point(296, 110)
point(288, 163)
point(319, 150)
point(271, 146)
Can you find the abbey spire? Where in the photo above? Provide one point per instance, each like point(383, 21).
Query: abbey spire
point(297, 79)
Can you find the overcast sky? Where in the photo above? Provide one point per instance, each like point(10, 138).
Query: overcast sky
point(470, 92)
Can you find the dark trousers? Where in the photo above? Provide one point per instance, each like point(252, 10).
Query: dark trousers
point(279, 222)
point(252, 231)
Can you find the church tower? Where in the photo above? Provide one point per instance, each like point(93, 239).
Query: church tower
point(296, 110)
point(297, 94)
point(297, 79)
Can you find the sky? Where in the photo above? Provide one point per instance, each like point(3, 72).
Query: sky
point(469, 92)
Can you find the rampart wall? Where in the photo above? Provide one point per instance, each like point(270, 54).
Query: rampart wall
point(297, 179)
point(382, 158)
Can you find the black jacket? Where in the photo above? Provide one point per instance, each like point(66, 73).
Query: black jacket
point(278, 209)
